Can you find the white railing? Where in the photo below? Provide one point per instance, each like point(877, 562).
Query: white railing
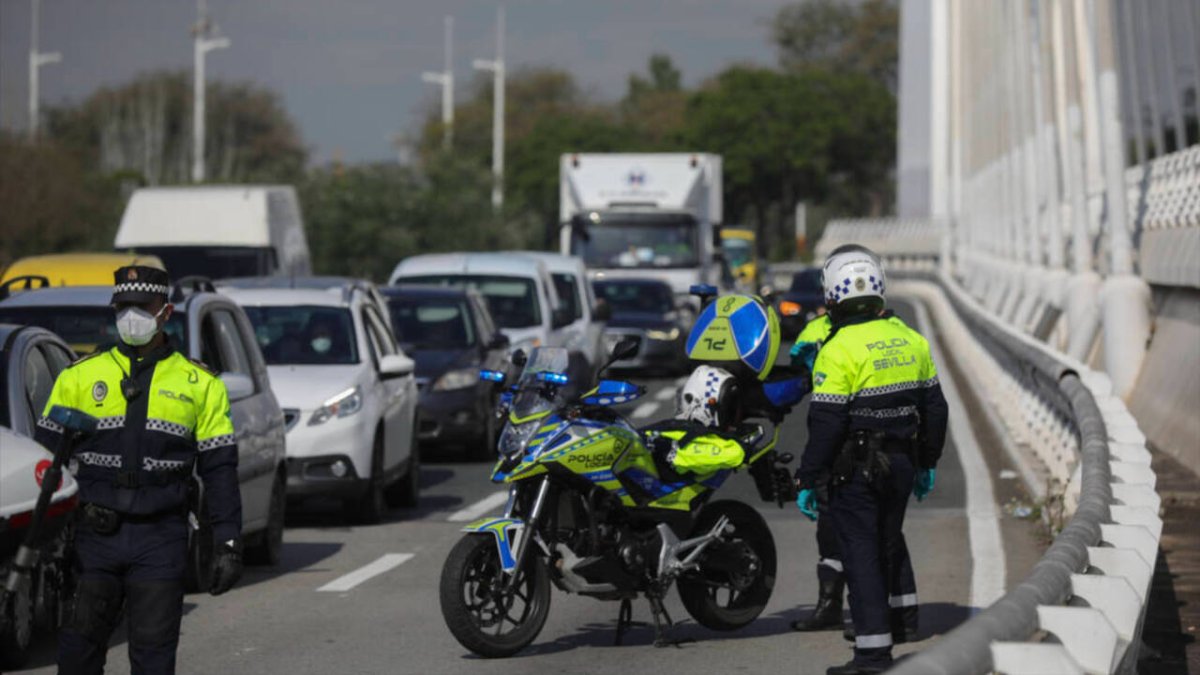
point(1164, 207)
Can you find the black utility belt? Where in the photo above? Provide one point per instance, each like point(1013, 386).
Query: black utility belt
point(139, 478)
point(105, 521)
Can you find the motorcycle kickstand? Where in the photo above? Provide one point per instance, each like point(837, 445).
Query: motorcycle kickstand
point(625, 620)
point(659, 612)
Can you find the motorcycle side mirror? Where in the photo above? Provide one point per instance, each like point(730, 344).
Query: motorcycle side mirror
point(518, 358)
point(625, 349)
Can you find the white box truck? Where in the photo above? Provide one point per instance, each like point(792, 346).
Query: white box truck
point(218, 231)
point(644, 215)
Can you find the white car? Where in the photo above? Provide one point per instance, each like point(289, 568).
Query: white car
point(348, 395)
point(584, 336)
point(518, 288)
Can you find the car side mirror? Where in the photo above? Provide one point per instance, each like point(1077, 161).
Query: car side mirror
point(238, 386)
point(395, 365)
point(602, 311)
point(561, 317)
point(498, 341)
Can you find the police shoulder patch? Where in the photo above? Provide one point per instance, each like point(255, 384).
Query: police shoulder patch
point(818, 378)
point(201, 365)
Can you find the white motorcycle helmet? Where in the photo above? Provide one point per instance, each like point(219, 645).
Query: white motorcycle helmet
point(710, 397)
point(853, 275)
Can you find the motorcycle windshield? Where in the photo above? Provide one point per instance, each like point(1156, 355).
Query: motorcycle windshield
point(534, 397)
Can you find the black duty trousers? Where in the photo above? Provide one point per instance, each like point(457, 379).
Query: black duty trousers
point(868, 518)
point(140, 567)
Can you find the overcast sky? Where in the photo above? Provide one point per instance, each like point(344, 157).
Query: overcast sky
point(349, 71)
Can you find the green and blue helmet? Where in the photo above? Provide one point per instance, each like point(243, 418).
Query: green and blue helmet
point(738, 333)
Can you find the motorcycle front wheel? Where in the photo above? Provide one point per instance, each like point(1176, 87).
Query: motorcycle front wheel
point(736, 576)
point(486, 616)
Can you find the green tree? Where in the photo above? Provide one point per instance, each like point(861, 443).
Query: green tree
point(50, 203)
point(840, 36)
point(654, 106)
point(144, 127)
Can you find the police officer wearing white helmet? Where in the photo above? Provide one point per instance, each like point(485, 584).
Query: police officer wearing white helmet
point(877, 424)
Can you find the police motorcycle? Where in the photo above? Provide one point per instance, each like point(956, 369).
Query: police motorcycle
point(600, 508)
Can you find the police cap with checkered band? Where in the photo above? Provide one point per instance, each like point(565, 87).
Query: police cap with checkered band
point(139, 284)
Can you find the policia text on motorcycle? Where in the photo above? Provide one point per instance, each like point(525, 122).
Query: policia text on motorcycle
point(877, 424)
point(161, 418)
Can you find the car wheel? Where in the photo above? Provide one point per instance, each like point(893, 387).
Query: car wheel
point(370, 507)
point(197, 576)
point(17, 634)
point(268, 549)
point(406, 492)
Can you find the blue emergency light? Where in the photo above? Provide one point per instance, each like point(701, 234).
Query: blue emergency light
point(553, 378)
point(491, 375)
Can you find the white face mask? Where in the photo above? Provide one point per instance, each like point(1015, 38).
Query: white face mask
point(321, 344)
point(137, 327)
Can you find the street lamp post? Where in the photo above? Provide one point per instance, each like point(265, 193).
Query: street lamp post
point(203, 45)
point(37, 59)
point(497, 69)
point(445, 79)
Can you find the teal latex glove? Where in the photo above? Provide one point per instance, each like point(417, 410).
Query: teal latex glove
point(807, 501)
point(806, 351)
point(924, 483)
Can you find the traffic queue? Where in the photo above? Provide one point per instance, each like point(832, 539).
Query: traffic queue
point(335, 385)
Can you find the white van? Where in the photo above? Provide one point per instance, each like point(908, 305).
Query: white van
point(218, 231)
point(518, 290)
point(584, 335)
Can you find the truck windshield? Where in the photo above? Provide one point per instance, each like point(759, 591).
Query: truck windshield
point(639, 240)
point(87, 328)
point(214, 262)
point(513, 301)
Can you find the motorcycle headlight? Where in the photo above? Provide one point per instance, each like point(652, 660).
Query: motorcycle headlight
point(457, 379)
point(664, 335)
point(343, 405)
point(516, 437)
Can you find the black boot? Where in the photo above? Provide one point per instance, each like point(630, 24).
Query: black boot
point(827, 615)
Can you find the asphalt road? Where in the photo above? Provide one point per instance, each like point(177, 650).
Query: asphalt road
point(282, 620)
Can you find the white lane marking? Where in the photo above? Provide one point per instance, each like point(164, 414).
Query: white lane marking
point(387, 562)
point(646, 409)
point(479, 508)
point(665, 395)
point(983, 520)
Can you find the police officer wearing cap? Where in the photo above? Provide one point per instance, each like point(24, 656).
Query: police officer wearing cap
point(162, 418)
point(876, 424)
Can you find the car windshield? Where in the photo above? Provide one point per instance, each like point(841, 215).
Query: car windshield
point(304, 335)
point(513, 301)
point(807, 281)
point(531, 395)
point(568, 296)
point(87, 328)
point(623, 296)
point(432, 323)
point(629, 241)
point(214, 262)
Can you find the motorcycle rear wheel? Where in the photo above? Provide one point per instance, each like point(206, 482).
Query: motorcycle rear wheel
point(723, 600)
point(475, 607)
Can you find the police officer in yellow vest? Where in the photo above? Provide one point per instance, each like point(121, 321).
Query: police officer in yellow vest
point(827, 613)
point(877, 424)
point(161, 417)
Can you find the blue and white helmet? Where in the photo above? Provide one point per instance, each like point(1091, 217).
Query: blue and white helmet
point(708, 397)
point(852, 274)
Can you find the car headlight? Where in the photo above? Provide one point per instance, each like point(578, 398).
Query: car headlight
point(516, 437)
point(665, 335)
point(457, 379)
point(343, 405)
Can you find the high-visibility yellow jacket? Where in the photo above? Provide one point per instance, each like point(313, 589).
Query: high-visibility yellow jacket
point(138, 461)
point(873, 374)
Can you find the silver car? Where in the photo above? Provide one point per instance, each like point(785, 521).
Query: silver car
point(210, 328)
